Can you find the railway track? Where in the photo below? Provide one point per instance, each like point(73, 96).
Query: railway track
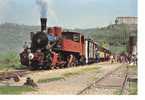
point(116, 79)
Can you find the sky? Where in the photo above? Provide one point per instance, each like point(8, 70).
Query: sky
point(67, 13)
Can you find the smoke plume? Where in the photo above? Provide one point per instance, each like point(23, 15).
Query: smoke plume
point(43, 4)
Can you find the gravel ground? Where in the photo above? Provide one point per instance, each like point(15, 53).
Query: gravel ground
point(73, 84)
point(69, 85)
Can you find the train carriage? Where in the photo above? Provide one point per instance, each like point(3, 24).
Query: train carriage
point(90, 51)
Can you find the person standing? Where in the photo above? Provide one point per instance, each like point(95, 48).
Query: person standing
point(111, 59)
point(50, 35)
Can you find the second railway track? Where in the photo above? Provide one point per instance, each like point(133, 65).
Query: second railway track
point(109, 83)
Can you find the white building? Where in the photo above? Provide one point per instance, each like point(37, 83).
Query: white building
point(126, 20)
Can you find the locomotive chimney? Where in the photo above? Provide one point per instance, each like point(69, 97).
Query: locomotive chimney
point(43, 24)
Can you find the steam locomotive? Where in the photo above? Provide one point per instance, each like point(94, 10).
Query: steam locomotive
point(54, 48)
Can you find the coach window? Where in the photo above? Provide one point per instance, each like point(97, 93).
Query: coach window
point(76, 37)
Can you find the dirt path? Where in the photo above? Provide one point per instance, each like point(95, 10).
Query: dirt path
point(71, 84)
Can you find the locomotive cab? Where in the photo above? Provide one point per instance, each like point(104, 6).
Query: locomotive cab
point(72, 42)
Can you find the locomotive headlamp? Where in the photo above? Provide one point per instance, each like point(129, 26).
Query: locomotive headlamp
point(30, 56)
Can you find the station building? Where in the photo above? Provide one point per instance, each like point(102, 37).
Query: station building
point(126, 20)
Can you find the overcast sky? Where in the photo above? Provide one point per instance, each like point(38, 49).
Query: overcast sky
point(67, 13)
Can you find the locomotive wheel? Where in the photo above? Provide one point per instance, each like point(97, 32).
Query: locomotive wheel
point(82, 60)
point(46, 65)
point(34, 65)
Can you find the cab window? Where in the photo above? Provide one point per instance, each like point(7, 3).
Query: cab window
point(76, 37)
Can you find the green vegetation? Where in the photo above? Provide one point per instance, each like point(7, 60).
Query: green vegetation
point(132, 85)
point(15, 89)
point(9, 60)
point(80, 71)
point(68, 74)
point(89, 69)
point(50, 79)
point(132, 88)
point(115, 37)
point(13, 36)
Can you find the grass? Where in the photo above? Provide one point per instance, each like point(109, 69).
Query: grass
point(132, 88)
point(50, 79)
point(9, 60)
point(133, 85)
point(15, 89)
point(68, 74)
point(88, 69)
point(79, 71)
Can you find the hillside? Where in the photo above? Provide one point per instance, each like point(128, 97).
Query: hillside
point(113, 37)
point(13, 36)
